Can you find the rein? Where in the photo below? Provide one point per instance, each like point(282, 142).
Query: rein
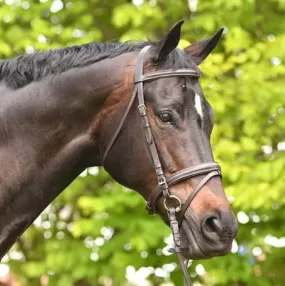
point(175, 208)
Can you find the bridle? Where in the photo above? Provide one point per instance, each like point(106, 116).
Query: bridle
point(175, 208)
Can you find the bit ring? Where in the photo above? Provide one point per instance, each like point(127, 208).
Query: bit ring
point(173, 199)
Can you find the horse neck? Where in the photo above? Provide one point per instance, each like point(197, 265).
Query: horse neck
point(50, 134)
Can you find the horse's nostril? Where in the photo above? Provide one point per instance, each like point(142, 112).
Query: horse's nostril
point(210, 225)
point(219, 229)
point(213, 224)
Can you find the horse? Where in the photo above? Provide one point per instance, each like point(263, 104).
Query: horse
point(138, 110)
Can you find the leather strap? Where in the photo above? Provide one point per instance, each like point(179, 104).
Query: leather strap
point(181, 175)
point(166, 73)
point(194, 193)
point(147, 130)
point(183, 265)
point(119, 128)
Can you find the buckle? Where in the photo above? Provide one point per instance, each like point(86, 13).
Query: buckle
point(142, 109)
point(161, 180)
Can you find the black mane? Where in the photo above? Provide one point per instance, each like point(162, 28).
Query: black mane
point(24, 69)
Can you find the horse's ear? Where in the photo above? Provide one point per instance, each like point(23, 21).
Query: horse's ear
point(169, 42)
point(199, 51)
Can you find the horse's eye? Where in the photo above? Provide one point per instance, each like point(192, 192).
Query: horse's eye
point(165, 117)
point(184, 87)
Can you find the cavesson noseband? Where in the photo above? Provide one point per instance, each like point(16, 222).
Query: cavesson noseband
point(175, 208)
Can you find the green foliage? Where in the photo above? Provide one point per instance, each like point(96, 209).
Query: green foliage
point(97, 229)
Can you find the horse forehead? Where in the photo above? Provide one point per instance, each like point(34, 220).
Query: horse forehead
point(164, 87)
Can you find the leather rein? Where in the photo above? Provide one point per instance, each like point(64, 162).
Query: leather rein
point(175, 208)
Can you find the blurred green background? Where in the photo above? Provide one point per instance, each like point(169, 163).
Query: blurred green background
point(97, 232)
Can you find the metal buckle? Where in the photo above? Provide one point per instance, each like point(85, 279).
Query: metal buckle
point(142, 109)
point(161, 180)
point(174, 198)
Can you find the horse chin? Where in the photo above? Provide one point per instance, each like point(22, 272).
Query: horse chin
point(195, 247)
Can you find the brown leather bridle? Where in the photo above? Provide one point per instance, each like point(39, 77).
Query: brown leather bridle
point(175, 208)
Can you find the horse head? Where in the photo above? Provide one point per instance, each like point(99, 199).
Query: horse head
point(168, 137)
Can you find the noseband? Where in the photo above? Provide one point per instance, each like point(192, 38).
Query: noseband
point(175, 208)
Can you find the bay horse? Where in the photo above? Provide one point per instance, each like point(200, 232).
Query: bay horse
point(135, 108)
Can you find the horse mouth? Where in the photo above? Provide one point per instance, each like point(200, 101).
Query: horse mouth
point(195, 246)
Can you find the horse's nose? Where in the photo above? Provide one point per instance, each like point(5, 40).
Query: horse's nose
point(219, 227)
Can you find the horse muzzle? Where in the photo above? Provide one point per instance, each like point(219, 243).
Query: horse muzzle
point(207, 237)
